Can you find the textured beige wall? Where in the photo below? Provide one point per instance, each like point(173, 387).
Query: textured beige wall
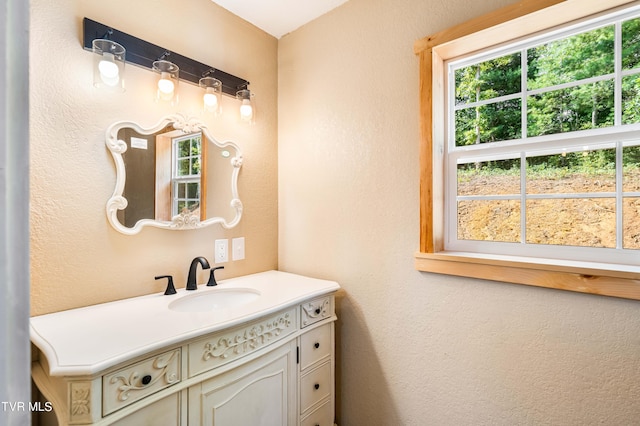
point(417, 348)
point(77, 259)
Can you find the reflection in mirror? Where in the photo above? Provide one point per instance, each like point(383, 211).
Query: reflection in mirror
point(174, 176)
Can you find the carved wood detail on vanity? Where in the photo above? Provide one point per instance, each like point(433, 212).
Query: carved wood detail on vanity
point(136, 379)
point(80, 396)
point(315, 311)
point(226, 346)
point(248, 340)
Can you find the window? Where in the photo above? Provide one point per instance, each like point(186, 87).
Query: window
point(530, 149)
point(185, 181)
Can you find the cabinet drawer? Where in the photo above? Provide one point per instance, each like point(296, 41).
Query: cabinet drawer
point(221, 348)
point(315, 386)
point(316, 310)
point(129, 384)
point(315, 345)
point(323, 416)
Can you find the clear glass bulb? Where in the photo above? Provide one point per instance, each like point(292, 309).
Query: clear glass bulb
point(109, 73)
point(165, 85)
point(246, 110)
point(210, 99)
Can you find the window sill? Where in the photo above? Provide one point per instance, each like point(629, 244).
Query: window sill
point(602, 279)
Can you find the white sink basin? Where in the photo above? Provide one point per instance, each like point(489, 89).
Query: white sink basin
point(215, 299)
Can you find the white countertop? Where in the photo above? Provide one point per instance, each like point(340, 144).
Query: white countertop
point(90, 339)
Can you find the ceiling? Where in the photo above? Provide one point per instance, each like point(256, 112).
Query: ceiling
point(279, 17)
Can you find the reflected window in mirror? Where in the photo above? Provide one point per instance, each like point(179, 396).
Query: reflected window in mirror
point(183, 190)
point(187, 166)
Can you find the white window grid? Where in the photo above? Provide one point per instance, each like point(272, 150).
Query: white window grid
point(177, 180)
point(617, 137)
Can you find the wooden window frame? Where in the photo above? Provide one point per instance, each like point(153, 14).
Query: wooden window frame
point(509, 23)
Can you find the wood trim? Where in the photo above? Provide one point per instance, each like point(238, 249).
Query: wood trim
point(163, 177)
point(481, 23)
point(580, 279)
point(426, 153)
point(204, 161)
point(508, 23)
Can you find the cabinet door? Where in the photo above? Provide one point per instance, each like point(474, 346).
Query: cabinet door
point(165, 412)
point(259, 393)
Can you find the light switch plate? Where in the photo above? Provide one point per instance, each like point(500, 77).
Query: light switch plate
point(237, 248)
point(222, 251)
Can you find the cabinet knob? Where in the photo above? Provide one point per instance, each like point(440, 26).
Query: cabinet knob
point(316, 345)
point(318, 310)
point(146, 379)
point(316, 386)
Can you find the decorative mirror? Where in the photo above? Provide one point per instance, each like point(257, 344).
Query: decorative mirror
point(174, 175)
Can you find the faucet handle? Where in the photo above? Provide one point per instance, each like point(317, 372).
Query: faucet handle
point(212, 276)
point(170, 288)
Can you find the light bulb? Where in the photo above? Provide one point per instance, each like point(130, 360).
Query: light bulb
point(109, 73)
point(165, 85)
point(108, 65)
point(246, 110)
point(210, 99)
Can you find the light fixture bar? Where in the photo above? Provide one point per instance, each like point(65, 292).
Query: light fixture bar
point(143, 53)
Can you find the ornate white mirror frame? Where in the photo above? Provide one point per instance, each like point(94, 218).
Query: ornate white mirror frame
point(185, 219)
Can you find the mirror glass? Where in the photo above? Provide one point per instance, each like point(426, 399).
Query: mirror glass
point(174, 175)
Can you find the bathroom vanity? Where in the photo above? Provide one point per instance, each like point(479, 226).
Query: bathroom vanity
point(255, 350)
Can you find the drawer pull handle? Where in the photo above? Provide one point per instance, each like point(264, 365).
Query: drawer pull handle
point(316, 386)
point(316, 345)
point(146, 379)
point(318, 310)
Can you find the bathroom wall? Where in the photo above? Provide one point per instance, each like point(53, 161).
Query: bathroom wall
point(77, 258)
point(416, 348)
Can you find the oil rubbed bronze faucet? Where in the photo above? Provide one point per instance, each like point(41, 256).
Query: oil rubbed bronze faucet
point(191, 279)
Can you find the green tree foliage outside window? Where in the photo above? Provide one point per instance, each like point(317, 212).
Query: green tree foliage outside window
point(572, 60)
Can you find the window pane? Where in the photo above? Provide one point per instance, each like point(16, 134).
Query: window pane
point(499, 177)
point(195, 166)
point(184, 148)
point(193, 189)
point(631, 99)
point(631, 219)
point(489, 79)
point(181, 190)
point(494, 122)
point(181, 206)
point(195, 146)
point(183, 167)
point(631, 44)
point(577, 222)
point(572, 172)
point(489, 220)
point(192, 205)
point(631, 169)
point(574, 58)
point(583, 107)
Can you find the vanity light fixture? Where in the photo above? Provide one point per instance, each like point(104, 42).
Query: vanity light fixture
point(108, 64)
point(212, 98)
point(170, 66)
point(247, 106)
point(168, 79)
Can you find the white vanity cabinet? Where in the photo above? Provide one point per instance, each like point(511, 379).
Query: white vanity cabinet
point(269, 368)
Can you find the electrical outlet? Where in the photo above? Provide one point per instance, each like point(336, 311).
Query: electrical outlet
point(237, 248)
point(222, 251)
